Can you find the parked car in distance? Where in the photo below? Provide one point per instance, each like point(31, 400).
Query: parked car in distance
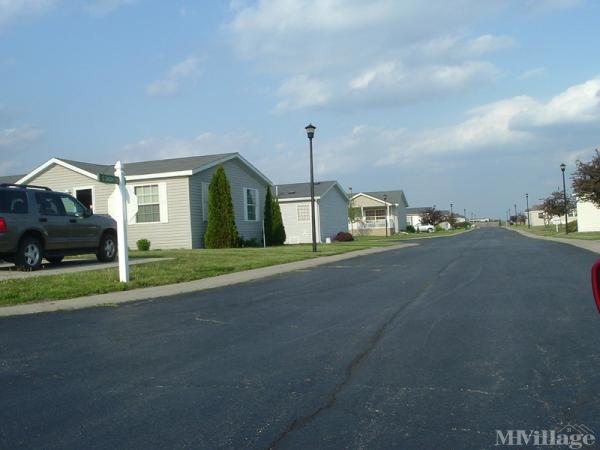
point(37, 223)
point(424, 228)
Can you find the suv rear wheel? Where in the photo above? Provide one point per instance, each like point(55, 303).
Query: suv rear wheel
point(29, 255)
point(107, 251)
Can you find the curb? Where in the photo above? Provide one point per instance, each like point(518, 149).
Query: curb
point(114, 298)
point(592, 246)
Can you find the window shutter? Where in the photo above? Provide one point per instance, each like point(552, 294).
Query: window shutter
point(162, 198)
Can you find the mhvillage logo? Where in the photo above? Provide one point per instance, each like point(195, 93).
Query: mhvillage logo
point(571, 436)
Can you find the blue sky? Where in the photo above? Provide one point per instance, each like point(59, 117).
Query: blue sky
point(468, 102)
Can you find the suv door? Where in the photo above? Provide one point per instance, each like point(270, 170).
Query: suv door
point(52, 218)
point(84, 232)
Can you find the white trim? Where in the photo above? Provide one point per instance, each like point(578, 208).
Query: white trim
point(154, 176)
point(371, 197)
point(163, 204)
point(59, 162)
point(256, 199)
point(83, 188)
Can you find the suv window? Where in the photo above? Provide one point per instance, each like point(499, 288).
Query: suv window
point(49, 204)
point(13, 202)
point(72, 207)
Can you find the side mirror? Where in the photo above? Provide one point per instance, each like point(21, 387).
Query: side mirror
point(596, 283)
point(88, 213)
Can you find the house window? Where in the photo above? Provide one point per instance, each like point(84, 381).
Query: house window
point(303, 212)
point(251, 200)
point(148, 204)
point(540, 215)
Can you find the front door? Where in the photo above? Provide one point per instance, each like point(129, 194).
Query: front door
point(85, 197)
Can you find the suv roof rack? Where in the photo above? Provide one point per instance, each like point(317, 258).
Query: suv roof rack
point(25, 186)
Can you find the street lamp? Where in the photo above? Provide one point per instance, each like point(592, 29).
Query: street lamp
point(562, 168)
point(451, 213)
point(516, 216)
point(386, 214)
point(528, 212)
point(310, 132)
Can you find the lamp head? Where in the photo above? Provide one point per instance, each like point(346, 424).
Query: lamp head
point(310, 130)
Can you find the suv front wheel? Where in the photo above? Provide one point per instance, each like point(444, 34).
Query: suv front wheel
point(107, 251)
point(29, 255)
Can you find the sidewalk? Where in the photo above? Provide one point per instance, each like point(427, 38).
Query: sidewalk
point(592, 246)
point(114, 298)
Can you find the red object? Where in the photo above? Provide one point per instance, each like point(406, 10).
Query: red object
point(3, 227)
point(596, 283)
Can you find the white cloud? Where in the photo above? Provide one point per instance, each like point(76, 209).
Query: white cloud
point(11, 10)
point(496, 128)
point(205, 143)
point(188, 68)
point(537, 72)
point(15, 137)
point(354, 53)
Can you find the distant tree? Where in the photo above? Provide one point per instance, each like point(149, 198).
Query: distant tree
point(431, 216)
point(274, 229)
point(221, 231)
point(586, 180)
point(554, 205)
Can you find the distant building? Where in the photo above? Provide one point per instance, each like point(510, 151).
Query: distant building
point(375, 209)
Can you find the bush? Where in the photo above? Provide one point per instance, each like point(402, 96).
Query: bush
point(344, 236)
point(410, 229)
point(572, 227)
point(438, 228)
point(143, 245)
point(221, 231)
point(249, 242)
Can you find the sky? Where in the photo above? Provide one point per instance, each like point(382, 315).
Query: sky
point(468, 102)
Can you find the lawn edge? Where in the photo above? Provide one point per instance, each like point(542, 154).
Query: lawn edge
point(589, 245)
point(149, 293)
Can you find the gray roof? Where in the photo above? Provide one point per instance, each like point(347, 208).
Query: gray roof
point(392, 196)
point(151, 167)
point(10, 178)
point(302, 190)
point(421, 209)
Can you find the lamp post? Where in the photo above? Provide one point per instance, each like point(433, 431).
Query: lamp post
point(386, 214)
point(451, 213)
point(465, 214)
point(562, 168)
point(528, 212)
point(310, 132)
point(516, 216)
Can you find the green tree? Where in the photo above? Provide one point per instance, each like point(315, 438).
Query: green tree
point(586, 180)
point(278, 228)
point(268, 217)
point(554, 205)
point(274, 229)
point(431, 216)
point(221, 231)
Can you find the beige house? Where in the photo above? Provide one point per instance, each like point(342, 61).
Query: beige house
point(168, 198)
point(375, 209)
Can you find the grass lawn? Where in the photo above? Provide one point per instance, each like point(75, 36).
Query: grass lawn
point(187, 265)
point(550, 230)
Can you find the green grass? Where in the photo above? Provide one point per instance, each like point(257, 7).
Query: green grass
point(186, 265)
point(550, 231)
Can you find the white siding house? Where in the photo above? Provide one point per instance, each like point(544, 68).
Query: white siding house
point(331, 211)
point(169, 197)
point(588, 216)
point(375, 209)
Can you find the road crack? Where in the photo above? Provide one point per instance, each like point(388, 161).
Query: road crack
point(356, 362)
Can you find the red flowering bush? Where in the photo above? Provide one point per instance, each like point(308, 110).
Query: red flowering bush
point(344, 236)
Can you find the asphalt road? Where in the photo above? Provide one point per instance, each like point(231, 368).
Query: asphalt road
point(430, 347)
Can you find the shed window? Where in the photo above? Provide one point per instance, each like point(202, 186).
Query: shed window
point(303, 212)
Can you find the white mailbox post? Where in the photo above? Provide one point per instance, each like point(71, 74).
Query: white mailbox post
point(122, 225)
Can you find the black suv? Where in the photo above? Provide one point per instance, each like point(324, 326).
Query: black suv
point(37, 223)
